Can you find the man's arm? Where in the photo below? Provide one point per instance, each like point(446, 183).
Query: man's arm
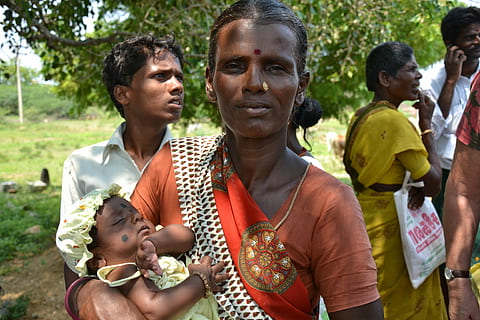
point(70, 194)
point(454, 59)
point(461, 217)
point(97, 301)
point(370, 311)
point(70, 190)
point(69, 276)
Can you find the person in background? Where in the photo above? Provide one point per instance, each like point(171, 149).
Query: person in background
point(462, 211)
point(381, 145)
point(305, 115)
point(143, 76)
point(448, 84)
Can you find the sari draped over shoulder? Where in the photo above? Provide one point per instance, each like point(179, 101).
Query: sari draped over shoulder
point(375, 138)
point(231, 227)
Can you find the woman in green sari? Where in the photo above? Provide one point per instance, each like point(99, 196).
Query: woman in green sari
point(381, 145)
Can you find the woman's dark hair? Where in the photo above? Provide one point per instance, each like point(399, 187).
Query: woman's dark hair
point(262, 12)
point(456, 20)
point(389, 57)
point(306, 115)
point(129, 56)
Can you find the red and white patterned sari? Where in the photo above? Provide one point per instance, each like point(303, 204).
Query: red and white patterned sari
point(230, 227)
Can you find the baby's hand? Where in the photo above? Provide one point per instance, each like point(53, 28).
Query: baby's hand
point(211, 272)
point(147, 258)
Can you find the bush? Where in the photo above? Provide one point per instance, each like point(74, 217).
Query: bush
point(39, 102)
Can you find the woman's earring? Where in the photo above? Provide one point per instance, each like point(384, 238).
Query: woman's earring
point(265, 86)
point(211, 94)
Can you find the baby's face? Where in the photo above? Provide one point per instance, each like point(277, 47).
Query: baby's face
point(121, 229)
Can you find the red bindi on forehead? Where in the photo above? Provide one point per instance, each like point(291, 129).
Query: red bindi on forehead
point(257, 52)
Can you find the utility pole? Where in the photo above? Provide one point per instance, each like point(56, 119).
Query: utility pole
point(19, 85)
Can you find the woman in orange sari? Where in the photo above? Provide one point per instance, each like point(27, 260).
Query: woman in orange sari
point(287, 231)
point(381, 145)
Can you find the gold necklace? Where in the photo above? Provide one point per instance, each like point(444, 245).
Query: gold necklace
point(293, 199)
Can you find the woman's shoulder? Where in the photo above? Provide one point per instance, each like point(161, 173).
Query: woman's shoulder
point(327, 196)
point(386, 118)
point(381, 115)
point(197, 139)
point(325, 183)
point(186, 145)
point(313, 161)
point(195, 144)
point(386, 112)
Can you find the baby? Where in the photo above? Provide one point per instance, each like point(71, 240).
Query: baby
point(105, 234)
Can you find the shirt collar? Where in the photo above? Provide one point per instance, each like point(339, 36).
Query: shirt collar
point(116, 140)
point(117, 137)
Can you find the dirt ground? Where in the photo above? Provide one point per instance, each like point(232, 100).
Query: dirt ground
point(41, 277)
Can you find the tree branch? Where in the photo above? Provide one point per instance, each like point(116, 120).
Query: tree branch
point(42, 33)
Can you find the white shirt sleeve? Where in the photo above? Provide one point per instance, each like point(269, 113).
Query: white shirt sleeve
point(439, 123)
point(70, 189)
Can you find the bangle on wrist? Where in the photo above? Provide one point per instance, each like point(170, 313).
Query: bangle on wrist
point(424, 132)
point(206, 286)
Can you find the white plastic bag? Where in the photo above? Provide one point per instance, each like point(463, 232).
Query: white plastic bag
point(422, 234)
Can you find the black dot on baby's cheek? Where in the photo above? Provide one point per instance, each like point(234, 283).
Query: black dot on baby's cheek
point(124, 238)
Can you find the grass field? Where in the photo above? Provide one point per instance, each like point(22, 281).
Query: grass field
point(28, 220)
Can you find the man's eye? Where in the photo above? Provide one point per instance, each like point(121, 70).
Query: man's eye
point(472, 37)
